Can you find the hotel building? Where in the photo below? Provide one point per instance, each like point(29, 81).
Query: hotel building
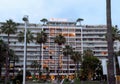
point(80, 37)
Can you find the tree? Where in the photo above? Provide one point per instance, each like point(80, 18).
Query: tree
point(76, 57)
point(41, 39)
point(59, 39)
point(89, 64)
point(48, 73)
point(3, 53)
point(67, 51)
point(13, 58)
point(44, 20)
point(29, 37)
point(116, 36)
point(8, 28)
point(115, 33)
point(111, 76)
point(34, 65)
point(88, 52)
point(116, 62)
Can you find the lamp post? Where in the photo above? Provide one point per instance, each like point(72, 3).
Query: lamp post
point(79, 20)
point(82, 42)
point(25, 19)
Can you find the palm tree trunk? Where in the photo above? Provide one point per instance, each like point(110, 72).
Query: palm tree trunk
point(77, 69)
point(58, 63)
point(0, 69)
point(40, 62)
point(0, 63)
point(111, 76)
point(34, 70)
point(67, 66)
point(13, 68)
point(7, 64)
point(117, 66)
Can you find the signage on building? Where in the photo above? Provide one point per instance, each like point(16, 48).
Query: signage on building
point(58, 19)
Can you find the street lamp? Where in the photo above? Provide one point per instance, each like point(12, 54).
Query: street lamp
point(25, 19)
point(79, 24)
point(79, 20)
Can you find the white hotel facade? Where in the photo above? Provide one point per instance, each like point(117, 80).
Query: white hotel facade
point(80, 37)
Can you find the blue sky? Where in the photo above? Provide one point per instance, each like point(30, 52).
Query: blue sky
point(92, 11)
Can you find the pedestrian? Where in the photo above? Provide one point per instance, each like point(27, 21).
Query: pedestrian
point(72, 81)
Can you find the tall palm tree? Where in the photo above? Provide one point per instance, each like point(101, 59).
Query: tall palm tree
point(116, 36)
point(29, 37)
point(67, 51)
point(117, 63)
point(89, 64)
point(111, 76)
point(41, 39)
point(8, 28)
point(76, 57)
point(44, 20)
point(14, 58)
point(115, 33)
point(3, 53)
point(59, 39)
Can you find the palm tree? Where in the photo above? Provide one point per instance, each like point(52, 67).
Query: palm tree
point(115, 33)
point(8, 28)
point(116, 36)
point(14, 58)
point(44, 20)
point(34, 65)
point(116, 62)
point(89, 64)
point(3, 53)
point(68, 50)
point(88, 52)
point(111, 76)
point(29, 37)
point(76, 57)
point(41, 39)
point(59, 39)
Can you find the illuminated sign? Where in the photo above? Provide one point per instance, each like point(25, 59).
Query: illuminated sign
point(58, 19)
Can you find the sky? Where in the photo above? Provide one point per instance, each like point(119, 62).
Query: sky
point(92, 11)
